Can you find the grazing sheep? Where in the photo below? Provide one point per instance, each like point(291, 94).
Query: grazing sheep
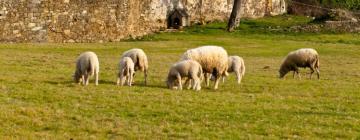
point(213, 59)
point(186, 68)
point(87, 65)
point(140, 60)
point(306, 57)
point(236, 64)
point(126, 70)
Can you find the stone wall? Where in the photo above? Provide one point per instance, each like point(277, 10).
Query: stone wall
point(110, 20)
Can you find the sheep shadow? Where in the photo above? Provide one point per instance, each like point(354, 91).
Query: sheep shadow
point(59, 83)
point(149, 86)
point(72, 83)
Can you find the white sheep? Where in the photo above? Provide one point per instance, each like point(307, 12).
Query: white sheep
point(185, 69)
point(306, 57)
point(126, 71)
point(236, 64)
point(87, 65)
point(213, 59)
point(140, 60)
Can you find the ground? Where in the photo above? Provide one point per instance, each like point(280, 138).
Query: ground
point(38, 98)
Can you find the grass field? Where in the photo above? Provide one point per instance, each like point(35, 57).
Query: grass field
point(38, 98)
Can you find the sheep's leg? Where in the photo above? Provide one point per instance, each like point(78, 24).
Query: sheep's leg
point(96, 78)
point(223, 79)
point(83, 79)
point(294, 74)
point(238, 76)
point(298, 74)
point(133, 80)
point(178, 76)
point(196, 83)
point(145, 75)
point(130, 79)
point(207, 79)
point(311, 73)
point(217, 82)
point(192, 78)
point(122, 79)
point(188, 83)
point(318, 73)
point(86, 79)
point(118, 79)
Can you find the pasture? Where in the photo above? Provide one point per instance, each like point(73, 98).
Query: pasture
point(38, 98)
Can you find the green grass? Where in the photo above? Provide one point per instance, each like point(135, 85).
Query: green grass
point(39, 100)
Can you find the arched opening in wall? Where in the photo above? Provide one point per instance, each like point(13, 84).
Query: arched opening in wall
point(177, 19)
point(177, 23)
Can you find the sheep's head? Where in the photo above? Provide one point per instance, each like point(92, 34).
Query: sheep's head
point(282, 72)
point(170, 84)
point(77, 77)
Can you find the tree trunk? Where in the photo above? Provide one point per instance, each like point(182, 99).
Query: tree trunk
point(234, 20)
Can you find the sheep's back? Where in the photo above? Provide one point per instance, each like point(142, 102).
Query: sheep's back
point(208, 57)
point(88, 61)
point(136, 54)
point(302, 57)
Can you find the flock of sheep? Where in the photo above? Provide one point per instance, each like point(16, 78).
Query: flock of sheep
point(205, 62)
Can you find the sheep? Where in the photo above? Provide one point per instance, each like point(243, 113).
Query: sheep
point(213, 59)
point(306, 57)
point(126, 70)
point(185, 69)
point(236, 64)
point(87, 65)
point(140, 60)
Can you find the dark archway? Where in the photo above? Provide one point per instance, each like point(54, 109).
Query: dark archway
point(177, 19)
point(176, 23)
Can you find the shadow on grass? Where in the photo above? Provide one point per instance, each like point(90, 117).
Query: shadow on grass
point(150, 86)
point(60, 82)
point(71, 82)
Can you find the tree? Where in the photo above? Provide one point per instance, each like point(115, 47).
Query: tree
point(234, 20)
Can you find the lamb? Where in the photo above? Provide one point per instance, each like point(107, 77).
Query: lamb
point(213, 59)
point(236, 64)
point(87, 65)
point(185, 69)
point(140, 60)
point(126, 71)
point(306, 57)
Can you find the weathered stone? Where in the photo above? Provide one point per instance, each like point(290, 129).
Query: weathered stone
point(31, 25)
point(71, 41)
point(36, 28)
point(15, 31)
point(67, 32)
point(111, 20)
